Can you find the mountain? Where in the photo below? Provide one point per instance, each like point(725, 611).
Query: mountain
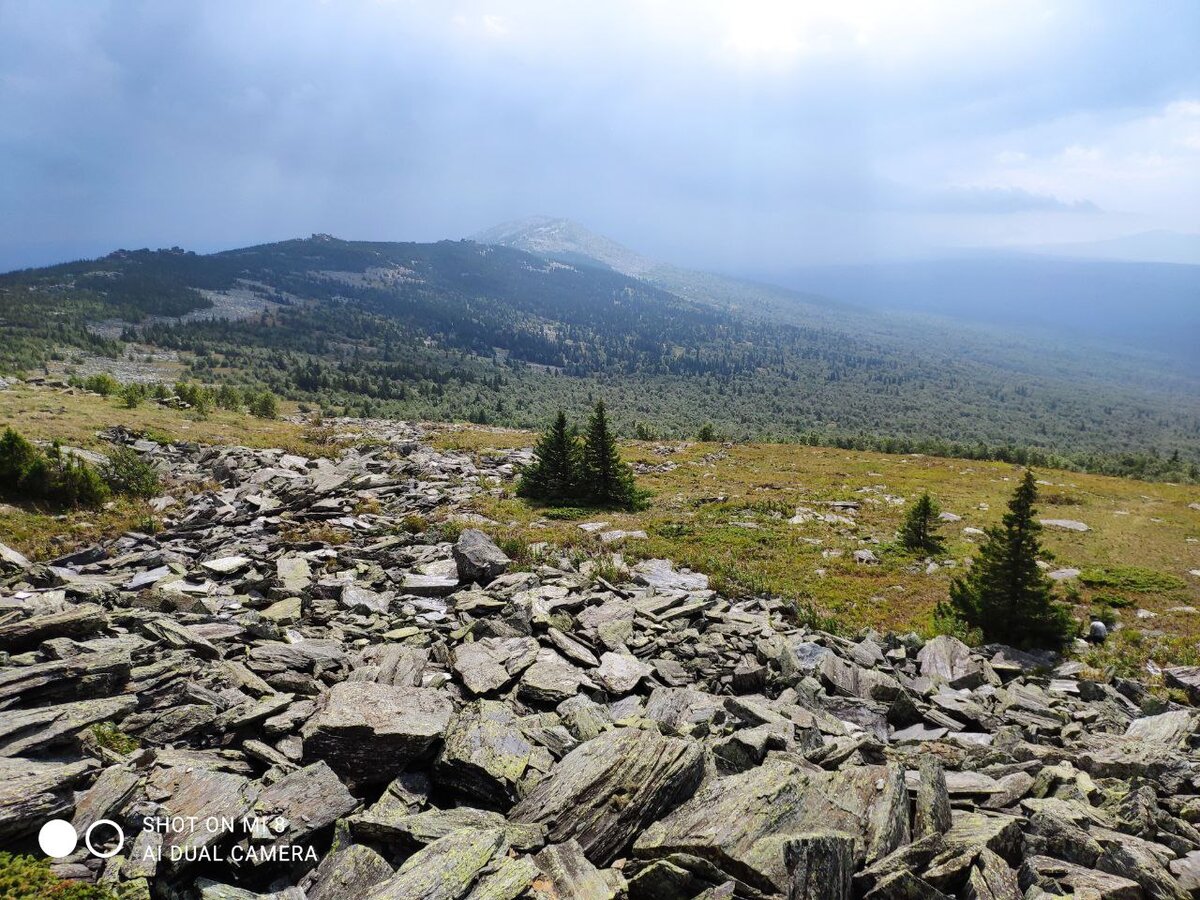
point(1147, 246)
point(1145, 305)
point(463, 330)
point(566, 241)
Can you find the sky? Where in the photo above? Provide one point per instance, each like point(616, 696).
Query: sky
point(736, 134)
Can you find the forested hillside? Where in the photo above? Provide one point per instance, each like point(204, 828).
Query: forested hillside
point(463, 330)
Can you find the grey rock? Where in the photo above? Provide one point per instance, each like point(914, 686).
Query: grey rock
point(485, 755)
point(652, 774)
point(348, 873)
point(445, 870)
point(619, 673)
point(661, 575)
point(370, 732)
point(820, 867)
point(571, 874)
point(945, 658)
point(478, 559)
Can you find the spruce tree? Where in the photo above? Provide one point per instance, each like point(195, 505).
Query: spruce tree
point(919, 531)
point(554, 474)
point(605, 479)
point(1005, 595)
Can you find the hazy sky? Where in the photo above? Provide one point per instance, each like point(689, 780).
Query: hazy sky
point(741, 134)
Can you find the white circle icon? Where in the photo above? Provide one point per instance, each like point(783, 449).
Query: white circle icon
point(87, 838)
point(58, 838)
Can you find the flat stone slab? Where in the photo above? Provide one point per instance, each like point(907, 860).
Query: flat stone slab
point(661, 574)
point(1065, 524)
point(652, 775)
point(370, 732)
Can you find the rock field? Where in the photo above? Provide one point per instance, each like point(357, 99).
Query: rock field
point(401, 718)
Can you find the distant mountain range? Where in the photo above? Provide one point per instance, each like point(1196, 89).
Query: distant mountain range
point(547, 315)
point(1070, 292)
point(1146, 246)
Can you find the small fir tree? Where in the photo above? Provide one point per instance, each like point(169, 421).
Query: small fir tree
point(606, 479)
point(1005, 596)
point(553, 476)
point(919, 533)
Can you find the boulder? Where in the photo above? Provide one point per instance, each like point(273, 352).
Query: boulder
point(478, 558)
point(485, 755)
point(370, 732)
point(652, 775)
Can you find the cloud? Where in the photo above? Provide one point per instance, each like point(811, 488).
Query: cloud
point(698, 131)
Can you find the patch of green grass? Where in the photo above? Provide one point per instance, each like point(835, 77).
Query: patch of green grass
point(110, 737)
point(566, 513)
point(26, 878)
point(1131, 578)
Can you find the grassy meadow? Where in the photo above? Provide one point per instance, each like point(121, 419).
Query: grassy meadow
point(725, 509)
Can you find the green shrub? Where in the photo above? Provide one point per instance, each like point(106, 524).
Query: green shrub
point(229, 397)
point(103, 384)
point(1131, 578)
point(565, 513)
point(197, 396)
point(263, 405)
point(110, 737)
point(133, 394)
point(47, 475)
point(17, 457)
point(127, 473)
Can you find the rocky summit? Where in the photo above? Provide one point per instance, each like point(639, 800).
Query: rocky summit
point(297, 688)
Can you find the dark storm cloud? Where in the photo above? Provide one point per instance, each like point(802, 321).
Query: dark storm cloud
point(701, 132)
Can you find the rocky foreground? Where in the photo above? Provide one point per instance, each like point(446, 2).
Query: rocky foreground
point(397, 717)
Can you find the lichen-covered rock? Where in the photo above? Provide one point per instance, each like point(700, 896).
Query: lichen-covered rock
point(350, 872)
point(742, 822)
point(445, 870)
point(485, 755)
point(568, 873)
point(370, 732)
point(820, 867)
point(650, 775)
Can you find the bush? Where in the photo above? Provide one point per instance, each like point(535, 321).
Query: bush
point(17, 457)
point(133, 394)
point(229, 397)
point(263, 405)
point(127, 473)
point(103, 384)
point(50, 475)
point(197, 396)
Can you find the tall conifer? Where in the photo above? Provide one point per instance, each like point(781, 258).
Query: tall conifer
point(1005, 595)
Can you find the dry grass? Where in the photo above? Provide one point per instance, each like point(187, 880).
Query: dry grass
point(703, 510)
point(74, 417)
point(700, 513)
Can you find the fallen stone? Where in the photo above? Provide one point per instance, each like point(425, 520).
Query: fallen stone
point(652, 774)
point(478, 559)
point(370, 732)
